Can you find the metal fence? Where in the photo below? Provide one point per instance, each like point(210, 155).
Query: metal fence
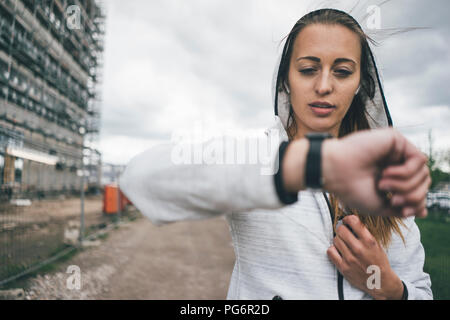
point(50, 75)
point(35, 233)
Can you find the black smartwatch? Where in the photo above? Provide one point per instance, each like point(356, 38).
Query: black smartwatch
point(313, 168)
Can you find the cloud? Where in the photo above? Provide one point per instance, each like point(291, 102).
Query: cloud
point(169, 64)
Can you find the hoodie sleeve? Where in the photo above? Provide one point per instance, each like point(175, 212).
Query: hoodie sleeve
point(191, 181)
point(409, 264)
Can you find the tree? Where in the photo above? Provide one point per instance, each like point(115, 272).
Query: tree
point(434, 161)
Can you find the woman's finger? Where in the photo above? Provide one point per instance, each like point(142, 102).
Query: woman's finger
point(407, 169)
point(420, 210)
point(423, 213)
point(401, 185)
point(350, 240)
point(335, 257)
point(342, 248)
point(417, 196)
point(413, 197)
point(358, 228)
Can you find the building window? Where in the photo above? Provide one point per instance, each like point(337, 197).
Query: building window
point(2, 167)
point(18, 166)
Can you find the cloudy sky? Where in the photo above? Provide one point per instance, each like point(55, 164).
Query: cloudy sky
point(171, 64)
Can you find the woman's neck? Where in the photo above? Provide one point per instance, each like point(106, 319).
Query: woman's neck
point(302, 133)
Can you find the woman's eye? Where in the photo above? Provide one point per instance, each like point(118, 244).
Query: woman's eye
point(343, 73)
point(308, 71)
point(340, 72)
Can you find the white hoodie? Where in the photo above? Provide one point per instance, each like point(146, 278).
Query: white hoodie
point(280, 249)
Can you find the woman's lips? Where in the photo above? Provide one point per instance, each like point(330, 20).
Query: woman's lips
point(322, 110)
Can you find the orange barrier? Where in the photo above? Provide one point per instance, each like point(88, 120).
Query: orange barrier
point(110, 199)
point(124, 201)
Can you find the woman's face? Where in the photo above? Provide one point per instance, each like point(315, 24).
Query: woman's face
point(324, 68)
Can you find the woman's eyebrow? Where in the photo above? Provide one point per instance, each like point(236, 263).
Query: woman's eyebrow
point(338, 60)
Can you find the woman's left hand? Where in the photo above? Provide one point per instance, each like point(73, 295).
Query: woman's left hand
point(354, 252)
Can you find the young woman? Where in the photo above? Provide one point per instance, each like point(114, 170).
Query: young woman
point(296, 243)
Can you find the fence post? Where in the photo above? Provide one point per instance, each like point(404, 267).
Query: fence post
point(82, 192)
point(118, 198)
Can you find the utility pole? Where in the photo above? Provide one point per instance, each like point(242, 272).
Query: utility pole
point(118, 196)
point(82, 131)
point(430, 150)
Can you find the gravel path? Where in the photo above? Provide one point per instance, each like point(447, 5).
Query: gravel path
point(183, 260)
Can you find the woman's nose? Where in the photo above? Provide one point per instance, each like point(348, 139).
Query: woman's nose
point(324, 85)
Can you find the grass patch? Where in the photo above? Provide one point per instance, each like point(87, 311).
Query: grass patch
point(103, 236)
point(54, 266)
point(435, 238)
point(47, 268)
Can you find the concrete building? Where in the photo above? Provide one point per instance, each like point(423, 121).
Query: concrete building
point(50, 75)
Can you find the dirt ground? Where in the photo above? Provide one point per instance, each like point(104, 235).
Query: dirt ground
point(183, 260)
point(47, 210)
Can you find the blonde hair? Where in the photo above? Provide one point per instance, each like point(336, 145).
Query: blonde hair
point(380, 227)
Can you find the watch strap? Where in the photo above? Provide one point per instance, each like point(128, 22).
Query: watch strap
point(284, 196)
point(313, 169)
point(405, 292)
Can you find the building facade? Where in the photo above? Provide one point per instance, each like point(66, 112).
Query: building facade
point(50, 75)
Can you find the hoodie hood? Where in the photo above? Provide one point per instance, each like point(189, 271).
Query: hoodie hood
point(376, 108)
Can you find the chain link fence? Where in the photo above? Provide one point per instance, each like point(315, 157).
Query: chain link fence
point(35, 233)
point(51, 63)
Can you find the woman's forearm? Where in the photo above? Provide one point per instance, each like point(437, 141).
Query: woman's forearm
point(294, 165)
